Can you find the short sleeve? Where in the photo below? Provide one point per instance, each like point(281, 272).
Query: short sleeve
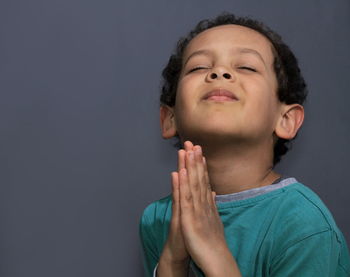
point(315, 255)
point(150, 252)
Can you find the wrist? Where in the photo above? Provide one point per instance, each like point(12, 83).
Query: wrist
point(170, 268)
point(169, 257)
point(168, 260)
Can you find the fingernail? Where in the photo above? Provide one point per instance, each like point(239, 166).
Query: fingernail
point(198, 150)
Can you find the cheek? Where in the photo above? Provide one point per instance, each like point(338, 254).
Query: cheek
point(185, 93)
point(182, 105)
point(261, 100)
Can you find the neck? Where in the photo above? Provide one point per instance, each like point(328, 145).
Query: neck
point(237, 168)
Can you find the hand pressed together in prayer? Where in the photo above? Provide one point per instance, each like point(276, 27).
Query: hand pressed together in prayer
point(196, 229)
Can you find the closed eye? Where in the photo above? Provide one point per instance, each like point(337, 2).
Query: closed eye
point(197, 68)
point(247, 68)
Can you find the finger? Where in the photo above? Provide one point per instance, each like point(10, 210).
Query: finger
point(192, 176)
point(206, 174)
point(208, 188)
point(188, 145)
point(213, 193)
point(176, 198)
point(175, 187)
point(181, 159)
point(186, 200)
point(201, 178)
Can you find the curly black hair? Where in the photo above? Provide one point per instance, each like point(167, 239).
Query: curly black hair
point(291, 84)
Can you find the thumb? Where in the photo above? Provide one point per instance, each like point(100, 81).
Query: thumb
point(175, 196)
point(213, 194)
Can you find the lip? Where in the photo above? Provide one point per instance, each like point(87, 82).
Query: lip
point(220, 95)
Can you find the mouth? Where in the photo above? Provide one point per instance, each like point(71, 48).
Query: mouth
point(220, 95)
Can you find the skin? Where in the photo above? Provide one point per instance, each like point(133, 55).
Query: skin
point(236, 138)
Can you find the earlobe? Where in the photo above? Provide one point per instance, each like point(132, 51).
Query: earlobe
point(291, 119)
point(167, 122)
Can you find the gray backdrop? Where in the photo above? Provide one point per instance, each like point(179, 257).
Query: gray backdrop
point(81, 151)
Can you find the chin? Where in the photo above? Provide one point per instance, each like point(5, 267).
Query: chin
point(199, 134)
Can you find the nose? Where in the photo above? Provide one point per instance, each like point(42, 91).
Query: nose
point(219, 73)
point(225, 75)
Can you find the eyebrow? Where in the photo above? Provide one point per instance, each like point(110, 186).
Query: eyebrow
point(251, 51)
point(241, 50)
point(197, 53)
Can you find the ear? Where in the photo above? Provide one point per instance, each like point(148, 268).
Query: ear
point(291, 118)
point(167, 122)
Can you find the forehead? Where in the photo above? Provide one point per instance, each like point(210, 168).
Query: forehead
point(231, 36)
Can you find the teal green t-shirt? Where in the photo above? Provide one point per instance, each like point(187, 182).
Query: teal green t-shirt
point(285, 232)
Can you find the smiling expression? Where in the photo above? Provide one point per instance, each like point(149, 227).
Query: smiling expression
point(227, 86)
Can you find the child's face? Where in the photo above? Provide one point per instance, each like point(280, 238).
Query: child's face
point(236, 59)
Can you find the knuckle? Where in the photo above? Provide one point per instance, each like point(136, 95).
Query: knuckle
point(188, 197)
point(195, 186)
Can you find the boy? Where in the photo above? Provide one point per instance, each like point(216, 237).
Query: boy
point(233, 93)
